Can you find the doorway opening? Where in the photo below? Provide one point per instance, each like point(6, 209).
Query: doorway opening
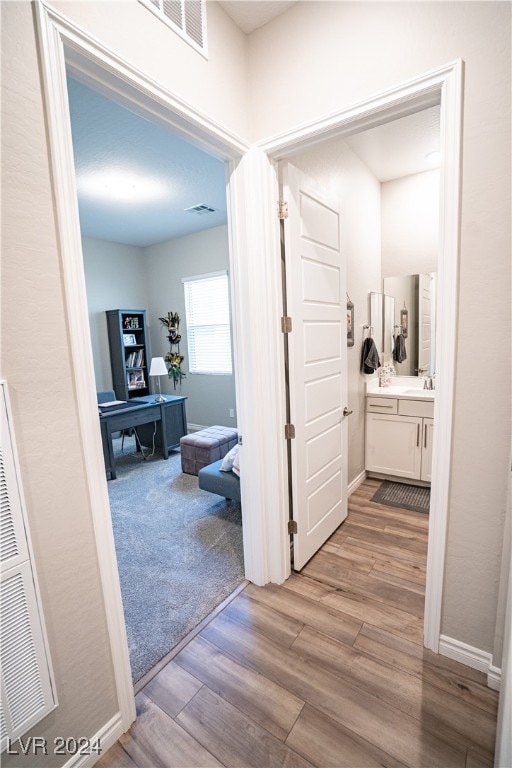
point(386, 186)
point(153, 220)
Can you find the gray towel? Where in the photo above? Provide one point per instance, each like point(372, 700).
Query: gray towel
point(399, 350)
point(369, 356)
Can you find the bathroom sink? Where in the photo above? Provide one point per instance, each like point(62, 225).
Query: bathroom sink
point(419, 392)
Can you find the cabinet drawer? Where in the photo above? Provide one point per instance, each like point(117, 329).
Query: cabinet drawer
point(381, 405)
point(422, 408)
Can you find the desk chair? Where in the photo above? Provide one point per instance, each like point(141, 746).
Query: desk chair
point(106, 396)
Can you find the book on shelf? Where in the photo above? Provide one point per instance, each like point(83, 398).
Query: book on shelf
point(135, 359)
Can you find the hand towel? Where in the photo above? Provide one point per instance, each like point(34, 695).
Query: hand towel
point(399, 350)
point(369, 356)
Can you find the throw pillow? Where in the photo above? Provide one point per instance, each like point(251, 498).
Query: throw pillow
point(227, 461)
point(236, 465)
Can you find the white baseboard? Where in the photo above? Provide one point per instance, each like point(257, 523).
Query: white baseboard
point(494, 678)
point(105, 738)
point(356, 482)
point(471, 657)
point(195, 428)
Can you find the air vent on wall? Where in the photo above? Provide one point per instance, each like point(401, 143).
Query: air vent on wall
point(186, 17)
point(201, 209)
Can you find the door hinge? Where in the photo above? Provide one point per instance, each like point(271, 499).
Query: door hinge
point(289, 432)
point(292, 526)
point(282, 209)
point(286, 324)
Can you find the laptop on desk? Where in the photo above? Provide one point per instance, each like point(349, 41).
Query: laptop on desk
point(119, 405)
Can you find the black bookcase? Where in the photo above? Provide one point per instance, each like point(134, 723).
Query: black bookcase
point(130, 354)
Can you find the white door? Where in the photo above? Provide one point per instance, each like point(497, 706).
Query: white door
point(316, 302)
point(424, 325)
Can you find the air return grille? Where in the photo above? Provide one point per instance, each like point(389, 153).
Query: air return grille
point(25, 666)
point(200, 209)
point(186, 17)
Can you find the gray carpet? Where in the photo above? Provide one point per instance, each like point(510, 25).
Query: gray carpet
point(179, 552)
point(414, 497)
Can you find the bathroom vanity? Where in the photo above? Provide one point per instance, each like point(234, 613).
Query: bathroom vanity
point(399, 430)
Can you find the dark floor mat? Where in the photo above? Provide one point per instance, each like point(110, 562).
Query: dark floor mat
point(413, 497)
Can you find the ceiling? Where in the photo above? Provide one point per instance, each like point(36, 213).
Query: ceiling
point(249, 16)
point(398, 148)
point(135, 178)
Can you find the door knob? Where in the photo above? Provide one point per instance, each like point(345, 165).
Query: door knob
point(346, 411)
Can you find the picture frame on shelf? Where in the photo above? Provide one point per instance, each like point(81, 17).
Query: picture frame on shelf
point(135, 380)
point(129, 339)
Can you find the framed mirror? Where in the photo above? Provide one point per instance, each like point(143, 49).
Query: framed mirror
point(414, 317)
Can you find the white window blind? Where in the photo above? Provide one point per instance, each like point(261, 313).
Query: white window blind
point(26, 681)
point(208, 325)
point(186, 17)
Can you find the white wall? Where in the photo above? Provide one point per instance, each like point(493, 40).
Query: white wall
point(340, 53)
point(115, 278)
point(410, 224)
point(127, 277)
point(217, 86)
point(336, 168)
point(209, 397)
point(36, 361)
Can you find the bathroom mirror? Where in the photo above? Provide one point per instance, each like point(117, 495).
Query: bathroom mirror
point(415, 294)
point(382, 311)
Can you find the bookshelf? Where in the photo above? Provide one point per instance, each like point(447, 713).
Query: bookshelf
point(129, 352)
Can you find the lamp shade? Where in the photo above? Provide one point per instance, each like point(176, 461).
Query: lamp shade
point(158, 367)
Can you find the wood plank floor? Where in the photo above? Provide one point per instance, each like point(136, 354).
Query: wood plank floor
point(325, 670)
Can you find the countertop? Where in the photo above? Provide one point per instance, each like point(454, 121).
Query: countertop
point(405, 392)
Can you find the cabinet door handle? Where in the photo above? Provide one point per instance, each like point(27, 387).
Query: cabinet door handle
point(418, 437)
point(425, 440)
point(374, 405)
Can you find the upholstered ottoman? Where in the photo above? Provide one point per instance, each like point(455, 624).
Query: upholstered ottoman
point(206, 446)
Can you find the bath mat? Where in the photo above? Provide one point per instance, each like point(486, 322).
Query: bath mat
point(413, 497)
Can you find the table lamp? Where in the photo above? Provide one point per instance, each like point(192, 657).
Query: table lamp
point(158, 368)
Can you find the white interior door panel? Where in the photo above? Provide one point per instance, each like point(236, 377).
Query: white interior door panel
point(316, 291)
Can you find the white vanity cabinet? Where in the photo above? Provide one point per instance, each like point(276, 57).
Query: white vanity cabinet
point(426, 451)
point(399, 437)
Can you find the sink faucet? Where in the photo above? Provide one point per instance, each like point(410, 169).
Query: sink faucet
point(428, 383)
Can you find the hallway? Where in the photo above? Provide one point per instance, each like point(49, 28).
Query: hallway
point(325, 670)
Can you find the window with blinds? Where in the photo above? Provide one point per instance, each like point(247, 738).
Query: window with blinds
point(186, 17)
point(28, 693)
point(208, 324)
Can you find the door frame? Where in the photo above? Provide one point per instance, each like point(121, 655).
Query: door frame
point(442, 86)
point(254, 274)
